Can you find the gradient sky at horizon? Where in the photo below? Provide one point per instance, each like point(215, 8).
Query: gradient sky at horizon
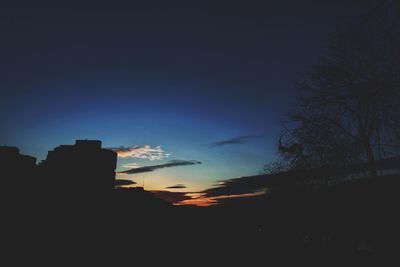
point(180, 75)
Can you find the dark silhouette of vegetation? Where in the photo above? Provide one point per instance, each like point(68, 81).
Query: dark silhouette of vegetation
point(349, 109)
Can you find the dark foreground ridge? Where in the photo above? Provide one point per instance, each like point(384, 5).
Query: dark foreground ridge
point(68, 206)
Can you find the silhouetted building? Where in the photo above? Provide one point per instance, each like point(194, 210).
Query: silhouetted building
point(18, 171)
point(84, 167)
point(137, 198)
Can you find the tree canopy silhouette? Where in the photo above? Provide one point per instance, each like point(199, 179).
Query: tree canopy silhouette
point(349, 110)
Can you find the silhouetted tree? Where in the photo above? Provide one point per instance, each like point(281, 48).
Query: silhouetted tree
point(276, 166)
point(350, 108)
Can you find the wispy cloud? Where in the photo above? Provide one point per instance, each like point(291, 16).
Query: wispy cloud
point(206, 198)
point(204, 201)
point(172, 163)
point(122, 182)
point(238, 186)
point(132, 165)
point(177, 186)
point(236, 189)
point(141, 152)
point(234, 141)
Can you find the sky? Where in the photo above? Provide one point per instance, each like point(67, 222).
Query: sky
point(204, 83)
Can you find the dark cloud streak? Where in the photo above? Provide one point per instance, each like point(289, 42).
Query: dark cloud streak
point(234, 141)
point(177, 186)
point(173, 163)
point(121, 182)
point(173, 197)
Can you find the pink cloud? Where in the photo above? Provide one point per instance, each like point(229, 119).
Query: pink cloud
point(144, 152)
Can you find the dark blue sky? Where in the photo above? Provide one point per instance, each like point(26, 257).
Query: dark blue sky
point(179, 75)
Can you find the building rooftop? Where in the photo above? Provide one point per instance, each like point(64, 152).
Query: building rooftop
point(9, 149)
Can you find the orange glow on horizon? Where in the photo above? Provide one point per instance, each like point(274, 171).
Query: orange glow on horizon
point(200, 201)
